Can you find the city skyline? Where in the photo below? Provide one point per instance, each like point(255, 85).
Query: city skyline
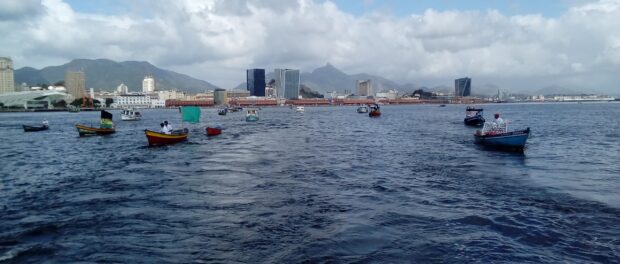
point(517, 45)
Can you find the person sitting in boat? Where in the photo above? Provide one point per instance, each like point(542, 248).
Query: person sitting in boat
point(168, 126)
point(45, 123)
point(499, 124)
point(164, 129)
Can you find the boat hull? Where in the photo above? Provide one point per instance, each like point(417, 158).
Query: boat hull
point(474, 121)
point(512, 141)
point(374, 113)
point(160, 139)
point(213, 131)
point(130, 118)
point(34, 128)
point(251, 118)
point(93, 131)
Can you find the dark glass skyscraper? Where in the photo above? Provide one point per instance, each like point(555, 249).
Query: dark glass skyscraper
point(462, 87)
point(256, 82)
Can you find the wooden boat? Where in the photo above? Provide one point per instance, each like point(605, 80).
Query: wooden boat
point(213, 131)
point(251, 115)
point(160, 139)
point(473, 117)
point(106, 126)
point(35, 128)
point(93, 131)
point(362, 110)
point(374, 111)
point(511, 141)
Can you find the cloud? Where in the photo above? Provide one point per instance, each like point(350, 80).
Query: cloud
point(217, 40)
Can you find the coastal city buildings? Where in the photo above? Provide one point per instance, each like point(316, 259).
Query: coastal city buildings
point(462, 87)
point(256, 82)
point(75, 83)
point(287, 83)
point(7, 83)
point(122, 89)
point(148, 84)
point(364, 87)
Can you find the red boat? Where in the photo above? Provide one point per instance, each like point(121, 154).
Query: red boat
point(374, 111)
point(214, 131)
point(159, 139)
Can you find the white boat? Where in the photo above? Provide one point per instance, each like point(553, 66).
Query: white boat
point(130, 115)
point(362, 109)
point(251, 115)
point(299, 109)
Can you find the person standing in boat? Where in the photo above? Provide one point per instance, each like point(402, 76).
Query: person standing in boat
point(498, 123)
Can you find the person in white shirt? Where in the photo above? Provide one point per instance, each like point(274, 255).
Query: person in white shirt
point(168, 126)
point(45, 123)
point(164, 129)
point(499, 123)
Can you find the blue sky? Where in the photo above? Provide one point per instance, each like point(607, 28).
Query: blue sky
point(550, 8)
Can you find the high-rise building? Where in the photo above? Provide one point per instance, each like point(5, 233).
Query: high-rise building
point(287, 83)
point(364, 87)
point(75, 83)
point(462, 87)
point(220, 96)
point(256, 82)
point(7, 81)
point(148, 84)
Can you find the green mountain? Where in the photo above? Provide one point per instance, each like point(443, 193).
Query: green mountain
point(103, 74)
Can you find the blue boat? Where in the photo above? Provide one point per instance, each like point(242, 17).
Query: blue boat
point(511, 141)
point(251, 115)
point(473, 117)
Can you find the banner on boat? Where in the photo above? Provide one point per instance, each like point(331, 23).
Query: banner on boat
point(190, 114)
point(106, 119)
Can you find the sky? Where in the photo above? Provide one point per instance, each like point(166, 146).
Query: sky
point(519, 46)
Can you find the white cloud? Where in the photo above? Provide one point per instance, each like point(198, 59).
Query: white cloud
point(217, 40)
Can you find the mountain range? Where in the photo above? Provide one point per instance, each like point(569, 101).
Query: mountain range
point(104, 74)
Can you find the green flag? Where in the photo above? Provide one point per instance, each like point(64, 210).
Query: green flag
point(191, 114)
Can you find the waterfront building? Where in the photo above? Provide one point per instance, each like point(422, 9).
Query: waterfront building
point(256, 82)
point(158, 103)
point(236, 93)
point(462, 87)
point(35, 99)
point(220, 96)
point(364, 87)
point(132, 101)
point(148, 84)
point(391, 95)
point(75, 83)
point(287, 83)
point(171, 95)
point(7, 81)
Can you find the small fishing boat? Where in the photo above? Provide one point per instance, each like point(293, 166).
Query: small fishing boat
point(362, 109)
point(222, 111)
point(251, 115)
point(442, 105)
point(159, 139)
point(374, 111)
point(473, 116)
point(130, 114)
point(299, 109)
point(106, 126)
point(500, 138)
point(35, 128)
point(214, 131)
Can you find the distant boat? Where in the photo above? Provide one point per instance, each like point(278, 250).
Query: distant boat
point(374, 111)
point(251, 115)
point(130, 114)
point(106, 126)
point(213, 131)
point(442, 105)
point(160, 139)
point(35, 128)
point(473, 116)
point(362, 109)
point(299, 109)
point(222, 111)
point(502, 139)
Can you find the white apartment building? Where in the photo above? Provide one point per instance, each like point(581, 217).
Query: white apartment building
point(132, 101)
point(148, 84)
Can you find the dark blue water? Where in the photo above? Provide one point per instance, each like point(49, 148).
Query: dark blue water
point(328, 185)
